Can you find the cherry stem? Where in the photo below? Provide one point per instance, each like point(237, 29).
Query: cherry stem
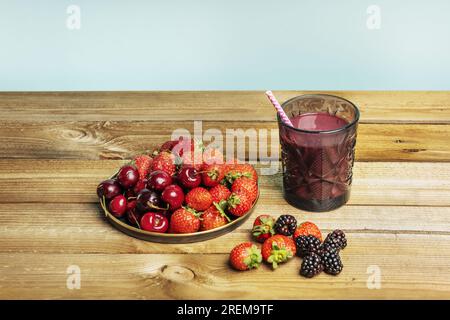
point(151, 205)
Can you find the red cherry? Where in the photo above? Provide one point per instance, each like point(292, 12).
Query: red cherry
point(118, 206)
point(173, 195)
point(159, 180)
point(189, 177)
point(155, 222)
point(141, 184)
point(132, 216)
point(128, 176)
point(108, 189)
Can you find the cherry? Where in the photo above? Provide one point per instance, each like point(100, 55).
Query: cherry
point(128, 176)
point(174, 196)
point(155, 222)
point(118, 206)
point(159, 180)
point(132, 216)
point(108, 189)
point(189, 177)
point(148, 200)
point(141, 184)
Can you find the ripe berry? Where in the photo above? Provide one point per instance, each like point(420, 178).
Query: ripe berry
point(336, 239)
point(239, 203)
point(184, 220)
point(245, 256)
point(141, 184)
point(118, 206)
point(199, 199)
point(286, 225)
point(311, 265)
point(278, 249)
point(308, 228)
point(212, 174)
point(159, 180)
point(307, 245)
point(164, 161)
point(332, 263)
point(263, 228)
point(219, 193)
point(108, 189)
point(128, 176)
point(247, 184)
point(173, 195)
point(154, 222)
point(213, 217)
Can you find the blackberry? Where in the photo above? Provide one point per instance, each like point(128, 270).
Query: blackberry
point(286, 225)
point(311, 266)
point(332, 263)
point(329, 247)
point(307, 245)
point(336, 239)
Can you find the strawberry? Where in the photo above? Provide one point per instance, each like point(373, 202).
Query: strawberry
point(212, 174)
point(199, 199)
point(241, 170)
point(184, 220)
point(263, 227)
point(247, 184)
point(213, 217)
point(239, 203)
point(278, 249)
point(245, 256)
point(219, 193)
point(164, 161)
point(143, 163)
point(306, 229)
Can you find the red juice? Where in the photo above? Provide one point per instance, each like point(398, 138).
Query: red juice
point(317, 160)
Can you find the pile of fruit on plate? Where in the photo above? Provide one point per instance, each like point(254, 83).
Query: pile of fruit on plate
point(180, 188)
point(282, 239)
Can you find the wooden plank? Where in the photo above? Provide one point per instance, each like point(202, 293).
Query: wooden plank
point(376, 106)
point(411, 267)
point(375, 183)
point(81, 228)
point(123, 139)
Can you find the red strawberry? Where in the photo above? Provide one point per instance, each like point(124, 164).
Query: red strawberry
point(213, 217)
point(199, 199)
point(245, 256)
point(308, 229)
point(219, 193)
point(212, 174)
point(247, 184)
point(263, 227)
point(143, 163)
point(278, 249)
point(184, 220)
point(241, 170)
point(239, 203)
point(164, 161)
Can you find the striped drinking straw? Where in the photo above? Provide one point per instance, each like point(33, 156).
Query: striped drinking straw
point(277, 106)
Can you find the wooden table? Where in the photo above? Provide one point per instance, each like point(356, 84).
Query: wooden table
point(56, 147)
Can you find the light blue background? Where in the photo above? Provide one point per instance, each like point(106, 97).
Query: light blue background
point(227, 44)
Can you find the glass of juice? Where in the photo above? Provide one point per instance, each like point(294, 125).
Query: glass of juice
point(318, 151)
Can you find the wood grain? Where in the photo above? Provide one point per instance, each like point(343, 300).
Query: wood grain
point(57, 146)
point(124, 139)
point(81, 228)
point(175, 276)
point(376, 106)
point(375, 183)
